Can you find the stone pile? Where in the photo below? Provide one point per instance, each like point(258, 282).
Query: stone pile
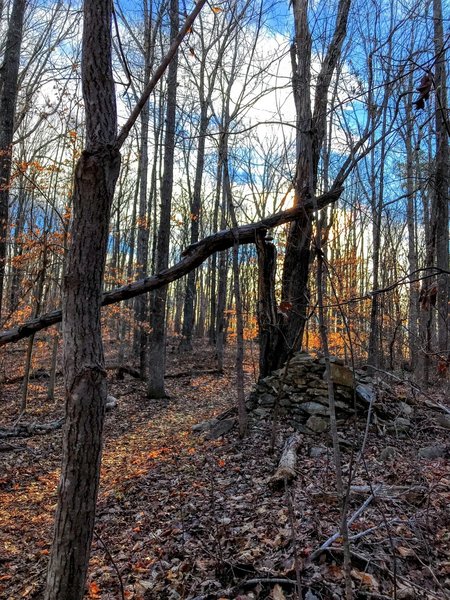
point(304, 392)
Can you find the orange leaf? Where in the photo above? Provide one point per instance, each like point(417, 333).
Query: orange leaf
point(94, 590)
point(216, 9)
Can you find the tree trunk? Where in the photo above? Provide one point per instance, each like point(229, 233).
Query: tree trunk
point(9, 73)
point(157, 341)
point(143, 221)
point(267, 310)
point(84, 370)
point(311, 129)
point(188, 316)
point(441, 183)
point(413, 304)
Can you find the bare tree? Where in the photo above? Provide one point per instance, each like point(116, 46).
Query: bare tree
point(441, 180)
point(311, 129)
point(157, 338)
point(85, 377)
point(9, 73)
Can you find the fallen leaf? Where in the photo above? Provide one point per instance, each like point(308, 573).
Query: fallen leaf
point(277, 593)
point(405, 551)
point(365, 578)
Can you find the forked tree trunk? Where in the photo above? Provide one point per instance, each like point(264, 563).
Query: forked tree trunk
point(311, 129)
point(85, 377)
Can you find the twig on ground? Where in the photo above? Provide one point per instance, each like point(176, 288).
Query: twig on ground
point(336, 535)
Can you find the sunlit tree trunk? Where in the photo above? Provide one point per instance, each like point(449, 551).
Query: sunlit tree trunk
point(311, 130)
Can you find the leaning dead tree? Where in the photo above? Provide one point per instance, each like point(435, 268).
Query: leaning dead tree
point(192, 257)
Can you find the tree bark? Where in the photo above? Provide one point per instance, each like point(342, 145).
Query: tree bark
point(311, 129)
point(267, 310)
point(157, 338)
point(287, 466)
point(441, 184)
point(9, 73)
point(84, 369)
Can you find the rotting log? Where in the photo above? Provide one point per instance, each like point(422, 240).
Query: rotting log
point(286, 470)
point(191, 258)
point(30, 429)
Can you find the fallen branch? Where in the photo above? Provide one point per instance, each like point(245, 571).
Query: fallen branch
point(192, 257)
point(286, 467)
point(30, 429)
point(193, 373)
point(336, 535)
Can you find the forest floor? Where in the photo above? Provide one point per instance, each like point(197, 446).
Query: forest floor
point(182, 517)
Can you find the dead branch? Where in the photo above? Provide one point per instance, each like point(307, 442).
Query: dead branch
point(336, 535)
point(30, 429)
point(191, 258)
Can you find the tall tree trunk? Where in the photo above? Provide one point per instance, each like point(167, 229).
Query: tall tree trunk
point(9, 73)
point(441, 183)
point(413, 302)
point(188, 314)
point(143, 221)
point(157, 341)
point(85, 377)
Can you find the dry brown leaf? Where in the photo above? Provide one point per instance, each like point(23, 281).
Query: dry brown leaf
point(405, 551)
point(277, 593)
point(365, 578)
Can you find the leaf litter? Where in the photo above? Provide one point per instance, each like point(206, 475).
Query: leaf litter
point(181, 517)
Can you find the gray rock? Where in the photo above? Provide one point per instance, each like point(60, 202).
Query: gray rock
point(444, 420)
point(204, 426)
point(317, 424)
point(261, 412)
point(315, 408)
point(310, 595)
point(301, 427)
point(314, 391)
point(366, 393)
point(266, 400)
point(405, 409)
point(433, 452)
point(286, 402)
point(298, 380)
point(301, 358)
point(401, 425)
point(221, 428)
point(111, 403)
point(317, 451)
point(298, 398)
point(342, 375)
